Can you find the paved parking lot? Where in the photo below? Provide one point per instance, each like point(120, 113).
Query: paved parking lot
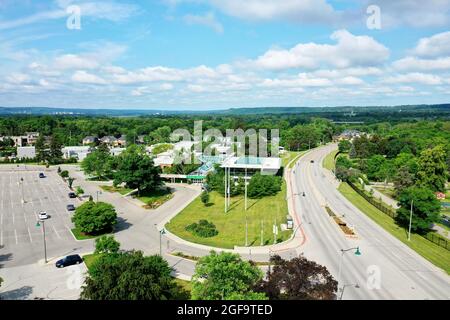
point(22, 196)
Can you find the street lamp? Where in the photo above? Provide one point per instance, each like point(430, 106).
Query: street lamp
point(161, 232)
point(343, 251)
point(98, 192)
point(45, 244)
point(355, 285)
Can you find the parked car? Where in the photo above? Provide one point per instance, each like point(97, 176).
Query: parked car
point(312, 161)
point(68, 261)
point(70, 207)
point(72, 195)
point(41, 175)
point(43, 215)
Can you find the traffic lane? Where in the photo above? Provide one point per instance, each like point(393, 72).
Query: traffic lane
point(396, 257)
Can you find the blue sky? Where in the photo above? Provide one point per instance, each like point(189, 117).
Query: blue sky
point(210, 54)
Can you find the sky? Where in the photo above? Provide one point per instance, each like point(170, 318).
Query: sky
point(217, 54)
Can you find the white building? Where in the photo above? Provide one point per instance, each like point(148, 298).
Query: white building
point(116, 151)
point(78, 152)
point(267, 166)
point(26, 152)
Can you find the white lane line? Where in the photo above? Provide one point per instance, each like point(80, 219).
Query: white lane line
point(15, 234)
point(29, 234)
point(1, 237)
point(57, 234)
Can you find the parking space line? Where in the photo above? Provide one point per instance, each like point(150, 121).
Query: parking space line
point(15, 234)
point(57, 234)
point(29, 234)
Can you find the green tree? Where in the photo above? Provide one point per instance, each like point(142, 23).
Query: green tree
point(374, 165)
point(41, 152)
point(130, 276)
point(223, 276)
point(79, 191)
point(98, 162)
point(64, 174)
point(106, 244)
point(263, 185)
point(205, 197)
point(426, 208)
point(403, 179)
point(137, 170)
point(94, 217)
point(55, 153)
point(432, 172)
point(298, 279)
point(70, 181)
point(344, 146)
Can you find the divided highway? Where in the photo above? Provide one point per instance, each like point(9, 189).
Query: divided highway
point(386, 268)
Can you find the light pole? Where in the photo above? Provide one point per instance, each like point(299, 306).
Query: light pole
point(45, 244)
point(348, 285)
point(343, 251)
point(97, 193)
point(410, 221)
point(161, 232)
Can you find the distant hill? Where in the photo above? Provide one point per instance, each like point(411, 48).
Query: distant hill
point(344, 111)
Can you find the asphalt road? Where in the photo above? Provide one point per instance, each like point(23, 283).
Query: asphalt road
point(386, 269)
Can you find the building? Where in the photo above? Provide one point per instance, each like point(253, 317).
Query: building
point(77, 152)
point(116, 151)
point(238, 165)
point(165, 159)
point(109, 140)
point(26, 152)
point(29, 139)
point(89, 140)
point(121, 141)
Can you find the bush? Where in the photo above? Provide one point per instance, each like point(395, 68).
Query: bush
point(64, 174)
point(205, 197)
point(203, 229)
point(94, 217)
point(106, 244)
point(263, 185)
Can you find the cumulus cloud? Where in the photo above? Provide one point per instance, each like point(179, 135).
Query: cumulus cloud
point(413, 63)
point(414, 77)
point(437, 45)
point(88, 78)
point(349, 51)
point(208, 20)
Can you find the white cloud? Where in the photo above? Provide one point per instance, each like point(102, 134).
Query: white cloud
point(82, 76)
point(18, 78)
point(414, 77)
point(73, 61)
point(208, 20)
point(437, 45)
point(413, 63)
point(349, 51)
point(305, 11)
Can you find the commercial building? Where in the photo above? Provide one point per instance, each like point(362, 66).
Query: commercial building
point(78, 152)
point(239, 165)
point(26, 152)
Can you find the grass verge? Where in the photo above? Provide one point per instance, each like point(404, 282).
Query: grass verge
point(433, 253)
point(231, 225)
point(328, 162)
point(120, 190)
point(81, 236)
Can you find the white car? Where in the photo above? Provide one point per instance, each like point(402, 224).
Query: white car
point(43, 215)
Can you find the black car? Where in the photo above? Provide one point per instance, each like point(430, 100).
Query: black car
point(41, 175)
point(70, 207)
point(68, 261)
point(72, 195)
point(312, 161)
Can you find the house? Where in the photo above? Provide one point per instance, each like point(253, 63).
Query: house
point(116, 151)
point(140, 139)
point(26, 152)
point(29, 139)
point(109, 140)
point(440, 195)
point(78, 152)
point(89, 140)
point(164, 159)
point(121, 141)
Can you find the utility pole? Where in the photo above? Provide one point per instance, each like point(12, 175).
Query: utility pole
point(245, 184)
point(225, 189)
point(262, 233)
point(246, 230)
point(410, 221)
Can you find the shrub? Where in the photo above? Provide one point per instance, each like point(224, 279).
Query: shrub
point(106, 244)
point(64, 174)
point(94, 217)
point(203, 229)
point(205, 197)
point(263, 185)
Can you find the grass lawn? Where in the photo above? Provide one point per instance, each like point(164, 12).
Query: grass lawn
point(290, 155)
point(121, 190)
point(328, 162)
point(80, 236)
point(89, 259)
point(186, 285)
point(231, 225)
point(387, 191)
point(156, 198)
point(430, 251)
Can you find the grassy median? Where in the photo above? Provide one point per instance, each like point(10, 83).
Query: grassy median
point(427, 249)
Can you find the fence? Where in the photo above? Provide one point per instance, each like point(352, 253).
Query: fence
point(436, 239)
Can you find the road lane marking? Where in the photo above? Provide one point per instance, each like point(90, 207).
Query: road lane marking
point(15, 234)
point(29, 234)
point(57, 234)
